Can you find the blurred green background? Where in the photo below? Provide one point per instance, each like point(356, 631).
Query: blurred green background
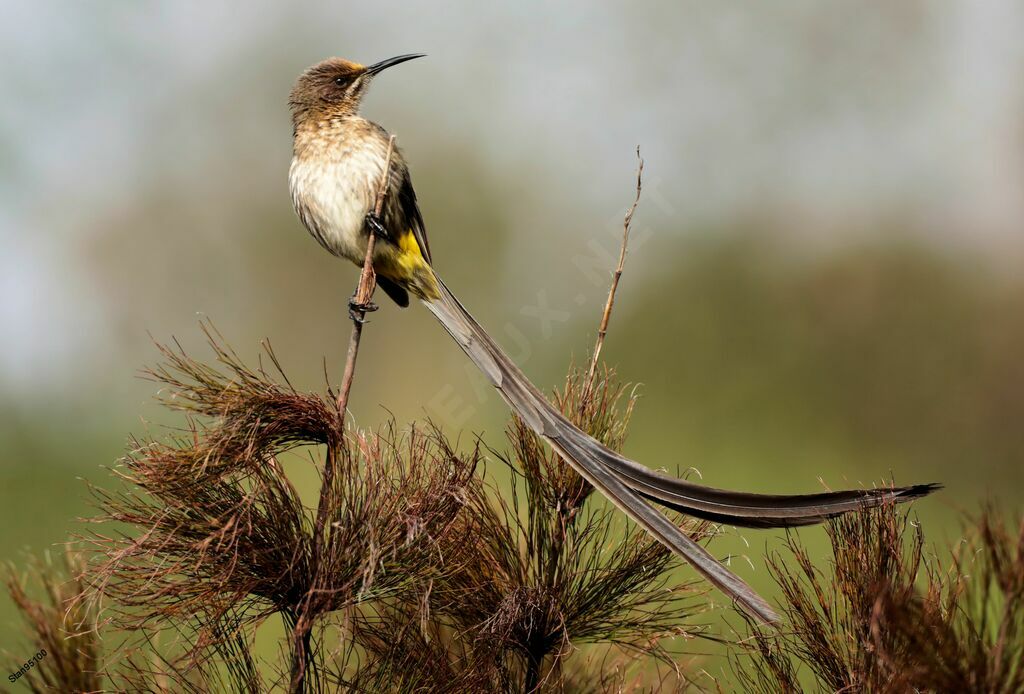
point(824, 285)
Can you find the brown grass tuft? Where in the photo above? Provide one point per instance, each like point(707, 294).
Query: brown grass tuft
point(543, 573)
point(890, 618)
point(60, 624)
point(221, 538)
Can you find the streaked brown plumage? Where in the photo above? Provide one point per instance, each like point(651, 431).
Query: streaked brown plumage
point(337, 165)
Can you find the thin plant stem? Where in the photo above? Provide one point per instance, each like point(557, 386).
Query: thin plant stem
point(606, 316)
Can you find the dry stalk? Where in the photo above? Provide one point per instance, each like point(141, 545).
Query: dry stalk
point(603, 329)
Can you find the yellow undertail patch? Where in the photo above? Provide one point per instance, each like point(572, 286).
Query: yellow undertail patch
point(409, 244)
point(406, 266)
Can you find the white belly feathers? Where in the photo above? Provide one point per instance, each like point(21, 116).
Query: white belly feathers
point(333, 197)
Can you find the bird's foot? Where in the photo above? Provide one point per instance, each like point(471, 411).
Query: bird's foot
point(376, 225)
point(357, 311)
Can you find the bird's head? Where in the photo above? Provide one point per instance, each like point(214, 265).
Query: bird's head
point(335, 87)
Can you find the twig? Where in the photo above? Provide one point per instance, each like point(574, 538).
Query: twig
point(603, 330)
point(364, 292)
point(303, 629)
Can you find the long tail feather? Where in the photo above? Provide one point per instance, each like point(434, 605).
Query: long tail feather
point(627, 483)
point(745, 509)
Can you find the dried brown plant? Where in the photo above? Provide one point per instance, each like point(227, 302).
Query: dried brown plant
point(891, 618)
point(538, 575)
point(223, 540)
point(58, 625)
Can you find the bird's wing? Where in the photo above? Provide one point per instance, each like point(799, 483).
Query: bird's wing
point(411, 212)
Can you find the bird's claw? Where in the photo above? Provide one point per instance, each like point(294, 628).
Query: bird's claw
point(357, 311)
point(376, 225)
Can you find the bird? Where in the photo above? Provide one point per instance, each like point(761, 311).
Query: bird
point(338, 164)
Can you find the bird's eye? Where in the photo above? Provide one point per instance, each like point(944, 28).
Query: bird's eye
point(340, 81)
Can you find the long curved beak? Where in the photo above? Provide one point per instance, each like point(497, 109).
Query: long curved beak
point(384, 64)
